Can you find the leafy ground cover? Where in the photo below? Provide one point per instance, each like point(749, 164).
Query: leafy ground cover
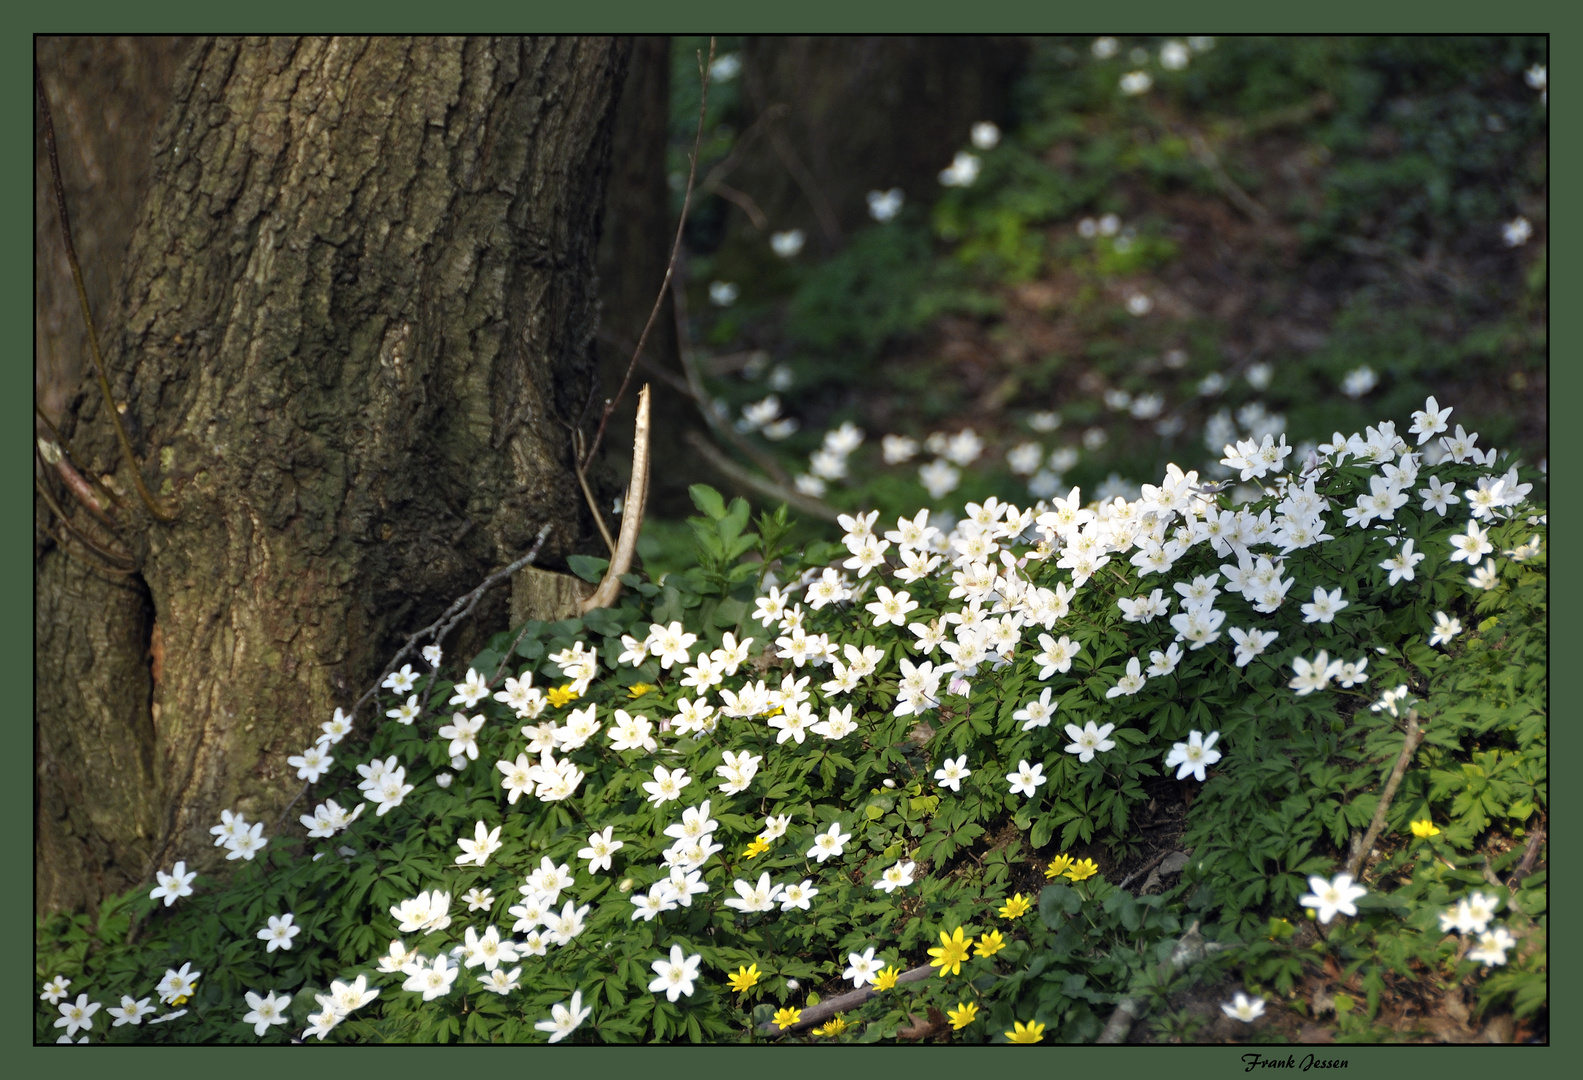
point(1293, 235)
point(989, 749)
point(1264, 734)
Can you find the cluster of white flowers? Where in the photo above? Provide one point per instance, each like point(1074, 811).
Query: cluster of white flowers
point(990, 558)
point(883, 206)
point(764, 416)
point(1471, 917)
point(964, 168)
point(240, 840)
point(829, 462)
point(384, 783)
point(343, 999)
point(174, 989)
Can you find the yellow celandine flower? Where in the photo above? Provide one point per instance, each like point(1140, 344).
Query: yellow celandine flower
point(745, 978)
point(991, 943)
point(887, 977)
point(953, 950)
point(776, 711)
point(1425, 829)
point(560, 695)
point(758, 847)
point(962, 1015)
point(1031, 1032)
point(835, 1027)
point(1016, 907)
point(1057, 866)
point(785, 1018)
point(638, 689)
point(1082, 871)
point(177, 1002)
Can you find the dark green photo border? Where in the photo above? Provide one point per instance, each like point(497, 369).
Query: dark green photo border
point(696, 16)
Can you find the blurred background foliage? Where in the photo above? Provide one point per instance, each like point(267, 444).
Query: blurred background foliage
point(1298, 234)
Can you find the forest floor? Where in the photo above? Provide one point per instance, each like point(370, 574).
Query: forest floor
point(1283, 239)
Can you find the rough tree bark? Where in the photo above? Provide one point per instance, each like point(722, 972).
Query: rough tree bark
point(356, 324)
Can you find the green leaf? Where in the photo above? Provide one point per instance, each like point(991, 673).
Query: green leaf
point(606, 622)
point(1057, 901)
point(588, 567)
point(708, 500)
point(730, 613)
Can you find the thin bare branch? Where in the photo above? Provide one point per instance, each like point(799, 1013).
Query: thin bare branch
point(817, 1014)
point(460, 608)
point(670, 267)
point(82, 537)
point(700, 396)
point(159, 511)
point(740, 145)
point(765, 486)
point(810, 187)
point(588, 496)
point(66, 548)
point(745, 202)
point(1362, 845)
point(82, 486)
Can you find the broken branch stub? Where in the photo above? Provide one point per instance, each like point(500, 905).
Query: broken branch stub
point(631, 512)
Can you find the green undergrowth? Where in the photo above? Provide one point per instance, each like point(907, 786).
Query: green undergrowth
point(1370, 272)
point(1026, 868)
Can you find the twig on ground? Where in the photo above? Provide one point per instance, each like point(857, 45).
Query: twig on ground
point(1250, 206)
point(830, 1006)
point(460, 608)
point(1535, 842)
point(1362, 845)
point(1144, 869)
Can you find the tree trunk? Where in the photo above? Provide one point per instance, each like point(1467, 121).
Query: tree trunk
point(633, 254)
point(859, 113)
point(357, 328)
point(96, 807)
